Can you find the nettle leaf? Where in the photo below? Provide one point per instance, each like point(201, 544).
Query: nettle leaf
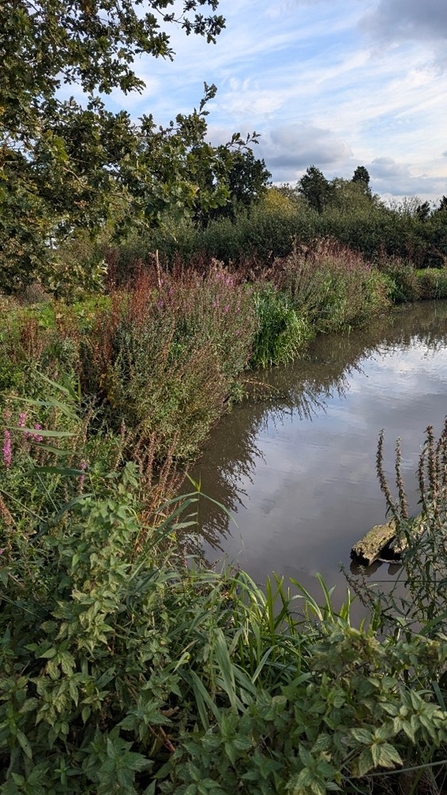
point(24, 744)
point(363, 736)
point(389, 756)
point(365, 763)
point(48, 654)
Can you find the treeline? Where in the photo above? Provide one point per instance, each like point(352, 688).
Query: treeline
point(279, 219)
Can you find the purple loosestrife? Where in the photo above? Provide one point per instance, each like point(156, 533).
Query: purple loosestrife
point(37, 437)
point(7, 449)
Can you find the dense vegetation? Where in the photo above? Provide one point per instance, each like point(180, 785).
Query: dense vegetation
point(129, 667)
point(144, 275)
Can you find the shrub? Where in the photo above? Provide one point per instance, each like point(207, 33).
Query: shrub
point(404, 285)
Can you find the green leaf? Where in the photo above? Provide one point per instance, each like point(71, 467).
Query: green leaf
point(48, 654)
point(43, 432)
point(24, 744)
point(364, 763)
point(223, 660)
point(389, 756)
point(362, 736)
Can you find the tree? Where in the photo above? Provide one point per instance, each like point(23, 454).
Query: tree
point(315, 188)
point(65, 164)
point(351, 195)
point(361, 177)
point(423, 211)
point(442, 208)
point(242, 176)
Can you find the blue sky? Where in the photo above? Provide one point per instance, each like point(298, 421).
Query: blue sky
point(333, 83)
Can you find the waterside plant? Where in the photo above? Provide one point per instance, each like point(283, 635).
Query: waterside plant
point(129, 667)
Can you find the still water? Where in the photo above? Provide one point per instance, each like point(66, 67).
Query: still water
point(295, 465)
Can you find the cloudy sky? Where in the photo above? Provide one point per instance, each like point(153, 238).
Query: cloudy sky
point(333, 83)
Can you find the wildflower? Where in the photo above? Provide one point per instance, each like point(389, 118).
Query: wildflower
point(226, 308)
point(7, 449)
point(36, 437)
point(22, 419)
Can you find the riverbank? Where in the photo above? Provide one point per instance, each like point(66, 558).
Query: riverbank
point(167, 355)
point(126, 670)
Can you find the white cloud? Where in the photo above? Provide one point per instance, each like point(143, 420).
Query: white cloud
point(336, 83)
point(290, 149)
point(396, 179)
point(398, 20)
point(393, 22)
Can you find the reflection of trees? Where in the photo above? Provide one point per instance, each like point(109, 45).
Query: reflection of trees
point(301, 389)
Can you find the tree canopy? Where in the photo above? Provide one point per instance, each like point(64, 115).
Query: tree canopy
point(67, 164)
point(315, 188)
point(361, 177)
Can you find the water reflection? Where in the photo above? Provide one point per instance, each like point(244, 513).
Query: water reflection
point(296, 463)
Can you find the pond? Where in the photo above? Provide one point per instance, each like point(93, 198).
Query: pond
point(295, 465)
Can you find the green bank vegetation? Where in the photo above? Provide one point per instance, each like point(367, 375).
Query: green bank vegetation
point(145, 275)
point(127, 666)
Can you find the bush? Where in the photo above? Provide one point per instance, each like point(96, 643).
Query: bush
point(404, 285)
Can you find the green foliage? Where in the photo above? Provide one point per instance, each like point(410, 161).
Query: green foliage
point(282, 334)
point(404, 284)
point(67, 166)
point(432, 283)
point(316, 189)
point(167, 359)
point(361, 177)
point(333, 287)
point(127, 667)
point(125, 671)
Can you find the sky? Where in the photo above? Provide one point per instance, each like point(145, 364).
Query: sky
point(330, 83)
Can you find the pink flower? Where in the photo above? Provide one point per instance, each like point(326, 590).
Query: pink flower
point(7, 449)
point(36, 437)
point(22, 419)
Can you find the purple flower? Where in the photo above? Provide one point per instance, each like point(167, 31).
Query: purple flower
point(226, 308)
point(36, 437)
point(7, 449)
point(22, 419)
